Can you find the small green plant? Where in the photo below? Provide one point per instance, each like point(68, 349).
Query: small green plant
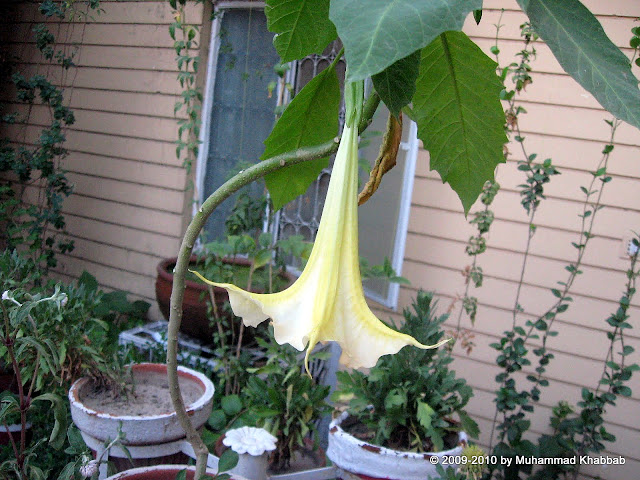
point(286, 401)
point(47, 340)
point(409, 400)
point(278, 397)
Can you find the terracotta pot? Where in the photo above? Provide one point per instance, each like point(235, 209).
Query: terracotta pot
point(195, 321)
point(152, 439)
point(161, 472)
point(372, 462)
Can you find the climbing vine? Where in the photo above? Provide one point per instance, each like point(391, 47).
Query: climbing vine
point(34, 185)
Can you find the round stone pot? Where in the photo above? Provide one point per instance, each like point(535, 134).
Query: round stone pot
point(162, 472)
point(152, 439)
point(372, 462)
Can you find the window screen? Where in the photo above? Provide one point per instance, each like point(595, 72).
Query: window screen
point(242, 112)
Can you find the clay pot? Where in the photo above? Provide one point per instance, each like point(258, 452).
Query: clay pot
point(372, 462)
point(161, 472)
point(151, 439)
point(195, 321)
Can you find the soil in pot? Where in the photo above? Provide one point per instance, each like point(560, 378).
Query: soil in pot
point(145, 394)
point(399, 439)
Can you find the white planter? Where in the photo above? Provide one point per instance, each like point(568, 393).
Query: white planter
point(151, 439)
point(372, 462)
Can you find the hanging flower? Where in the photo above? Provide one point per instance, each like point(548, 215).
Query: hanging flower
point(327, 302)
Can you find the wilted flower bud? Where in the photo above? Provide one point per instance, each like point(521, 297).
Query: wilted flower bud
point(89, 468)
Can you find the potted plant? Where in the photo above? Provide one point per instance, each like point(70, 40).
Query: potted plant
point(282, 399)
point(139, 411)
point(404, 411)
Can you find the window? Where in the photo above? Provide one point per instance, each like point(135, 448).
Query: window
point(238, 112)
point(238, 115)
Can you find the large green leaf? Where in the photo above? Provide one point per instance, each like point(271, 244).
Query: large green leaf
point(459, 115)
point(302, 27)
point(377, 33)
point(310, 119)
point(397, 83)
point(578, 41)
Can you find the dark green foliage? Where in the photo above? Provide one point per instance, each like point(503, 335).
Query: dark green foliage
point(50, 336)
point(412, 397)
point(286, 401)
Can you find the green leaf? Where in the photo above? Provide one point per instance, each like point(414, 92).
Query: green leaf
point(477, 16)
point(262, 258)
point(302, 27)
point(217, 420)
point(231, 404)
point(469, 425)
point(59, 431)
point(228, 460)
point(377, 33)
point(395, 398)
point(397, 83)
point(459, 115)
point(582, 48)
point(89, 281)
point(425, 415)
point(310, 119)
point(75, 440)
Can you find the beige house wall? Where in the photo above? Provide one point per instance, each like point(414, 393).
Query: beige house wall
point(129, 207)
point(566, 124)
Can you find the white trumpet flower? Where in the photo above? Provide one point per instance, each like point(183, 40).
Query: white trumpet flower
point(326, 303)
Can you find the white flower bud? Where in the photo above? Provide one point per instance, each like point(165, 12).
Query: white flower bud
point(5, 295)
point(88, 469)
point(64, 300)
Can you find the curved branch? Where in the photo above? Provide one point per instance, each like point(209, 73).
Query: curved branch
point(177, 294)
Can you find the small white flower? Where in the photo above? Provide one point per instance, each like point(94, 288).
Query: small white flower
point(88, 469)
point(64, 299)
point(5, 295)
point(251, 440)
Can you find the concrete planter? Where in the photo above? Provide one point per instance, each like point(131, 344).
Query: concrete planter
point(372, 462)
point(151, 439)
